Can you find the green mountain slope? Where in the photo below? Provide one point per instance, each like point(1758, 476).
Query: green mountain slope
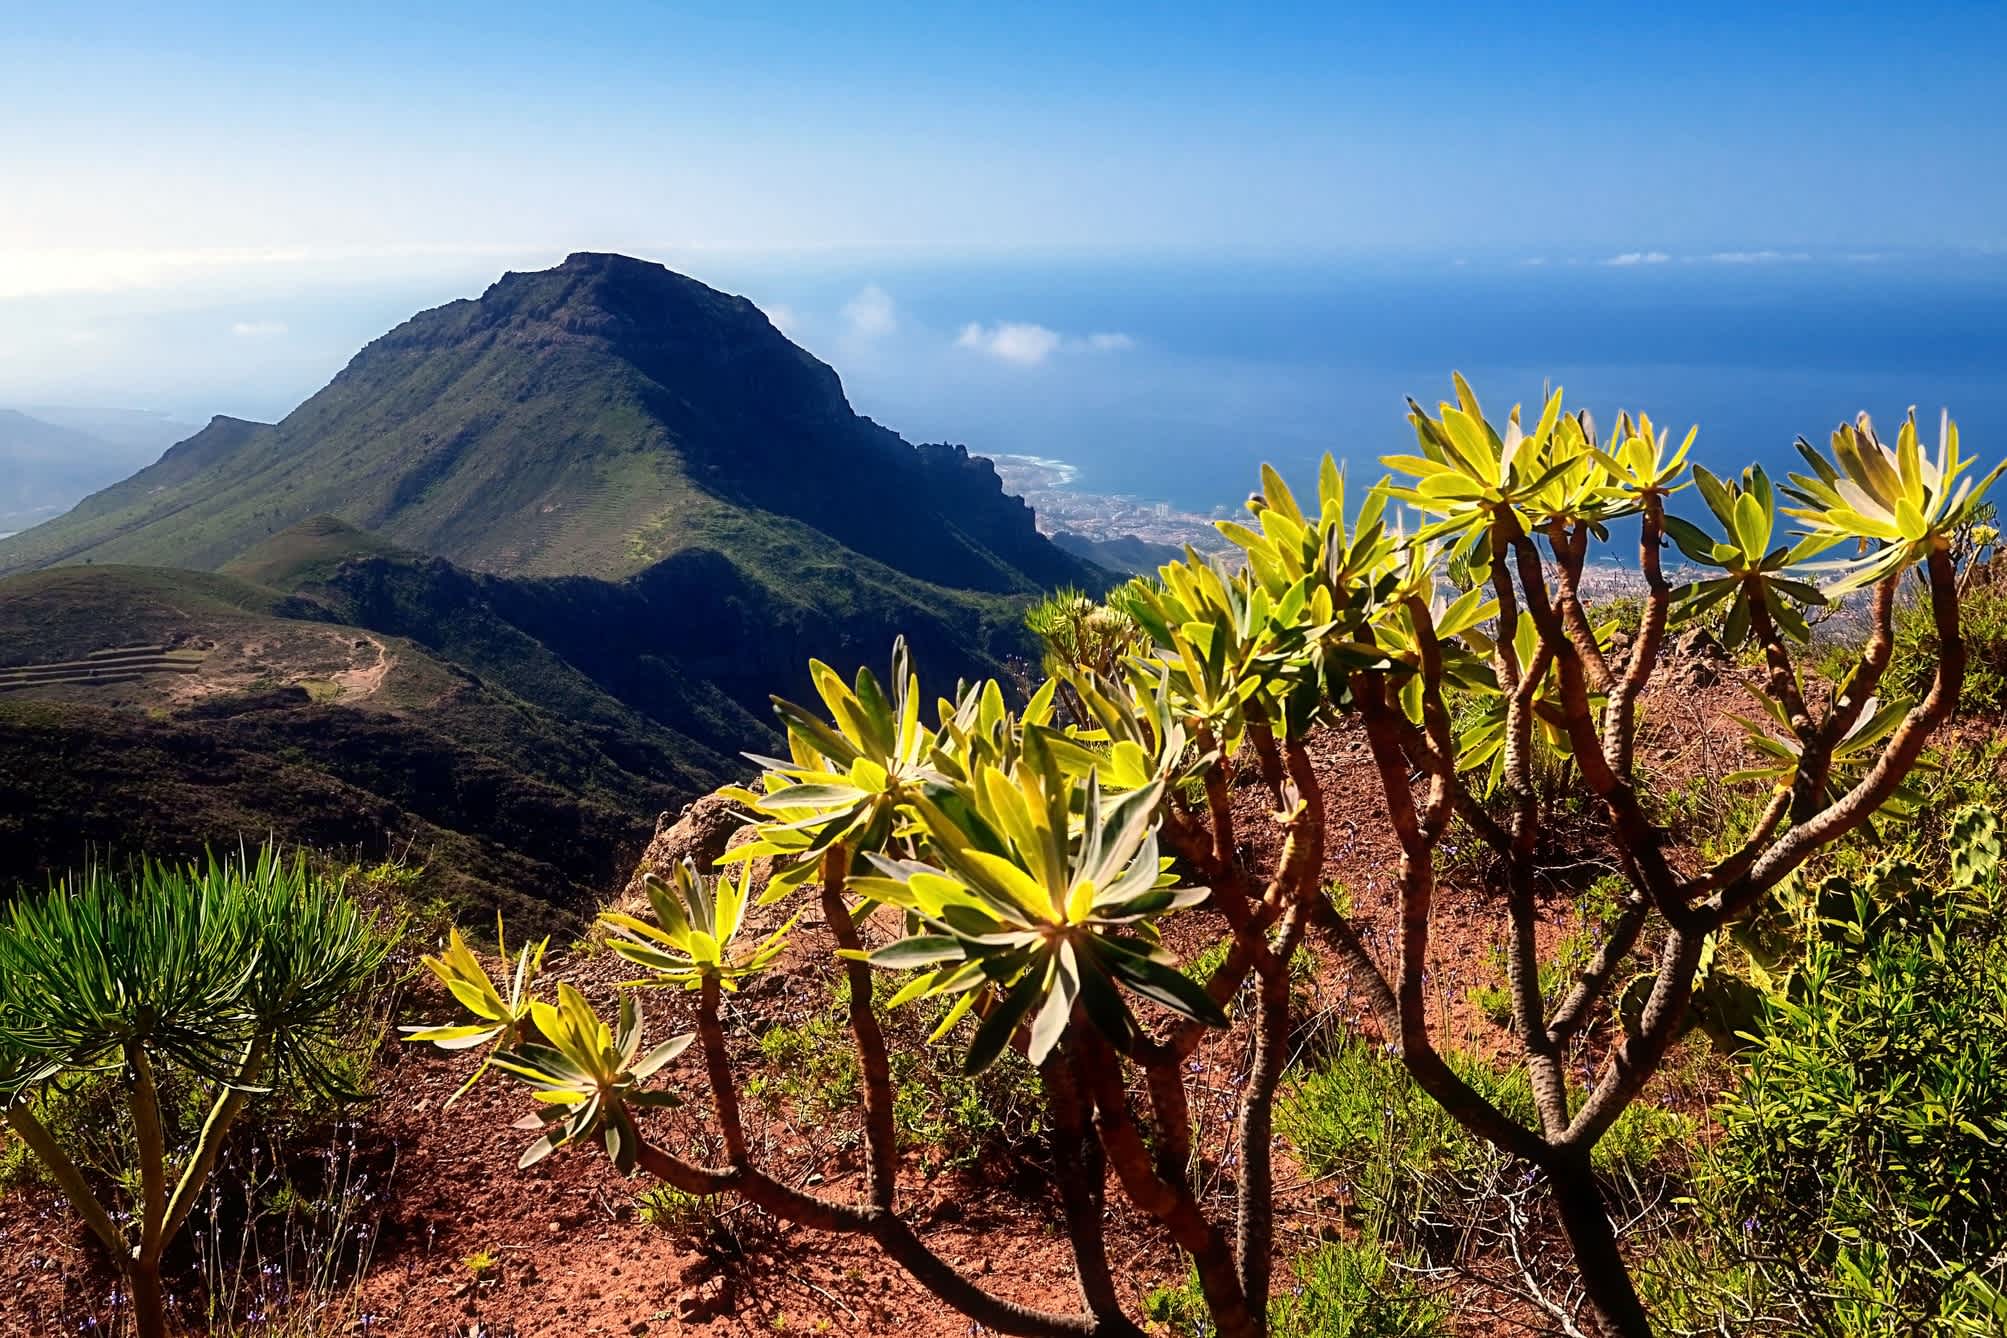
point(519, 579)
point(518, 735)
point(591, 419)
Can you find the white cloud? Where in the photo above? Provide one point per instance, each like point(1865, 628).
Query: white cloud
point(1027, 344)
point(1534, 260)
point(1012, 341)
point(258, 329)
point(1639, 258)
point(1757, 257)
point(871, 314)
point(782, 316)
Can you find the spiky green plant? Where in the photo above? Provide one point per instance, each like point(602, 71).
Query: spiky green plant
point(231, 973)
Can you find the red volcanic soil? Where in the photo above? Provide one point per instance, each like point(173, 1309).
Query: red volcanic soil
point(573, 1255)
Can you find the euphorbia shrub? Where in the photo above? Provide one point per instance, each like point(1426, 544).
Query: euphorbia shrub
point(227, 974)
point(1031, 854)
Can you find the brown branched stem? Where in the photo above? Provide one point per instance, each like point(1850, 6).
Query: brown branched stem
point(1633, 1061)
point(718, 1071)
point(891, 1233)
point(1170, 1111)
point(1897, 759)
point(1780, 676)
point(1544, 1068)
point(1638, 834)
point(1620, 723)
point(1579, 1004)
point(1303, 840)
point(877, 1221)
point(1599, 1260)
point(1815, 762)
point(1440, 756)
point(1737, 862)
point(1082, 1174)
point(1170, 1201)
point(1401, 1007)
point(874, 1064)
point(1571, 551)
point(1866, 679)
point(1545, 1065)
point(1229, 894)
point(1256, 1198)
point(1267, 756)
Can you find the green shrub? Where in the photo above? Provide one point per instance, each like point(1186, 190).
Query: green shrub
point(1857, 1184)
point(1982, 621)
point(209, 983)
point(1343, 1289)
point(673, 1209)
point(954, 1120)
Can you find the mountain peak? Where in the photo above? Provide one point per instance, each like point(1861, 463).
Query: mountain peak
point(590, 419)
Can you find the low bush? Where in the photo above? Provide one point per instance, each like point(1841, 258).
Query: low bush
point(1856, 1187)
point(1342, 1289)
point(1983, 623)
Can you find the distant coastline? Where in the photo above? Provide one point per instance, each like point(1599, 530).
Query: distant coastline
point(1046, 485)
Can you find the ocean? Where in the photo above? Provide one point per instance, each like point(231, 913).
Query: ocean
point(1167, 384)
point(1127, 394)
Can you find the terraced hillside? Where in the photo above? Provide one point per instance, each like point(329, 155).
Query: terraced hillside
point(231, 711)
point(115, 664)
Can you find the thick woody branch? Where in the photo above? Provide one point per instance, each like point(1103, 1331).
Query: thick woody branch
point(1866, 679)
point(1780, 674)
point(1267, 756)
point(1544, 1067)
point(1643, 838)
point(1738, 862)
point(1578, 1005)
point(887, 1229)
point(718, 1072)
point(1256, 1207)
point(1620, 721)
point(1170, 1201)
point(880, 1133)
point(1082, 1182)
point(1571, 551)
point(1896, 760)
point(1634, 1061)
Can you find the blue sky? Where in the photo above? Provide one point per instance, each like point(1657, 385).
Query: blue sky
point(238, 194)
